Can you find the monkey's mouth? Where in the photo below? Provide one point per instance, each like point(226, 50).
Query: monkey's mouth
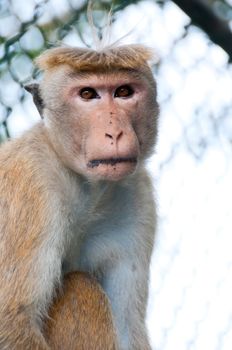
point(111, 161)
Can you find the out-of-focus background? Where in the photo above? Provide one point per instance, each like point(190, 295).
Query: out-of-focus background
point(190, 305)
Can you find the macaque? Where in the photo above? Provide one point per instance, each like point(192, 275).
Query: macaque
point(75, 196)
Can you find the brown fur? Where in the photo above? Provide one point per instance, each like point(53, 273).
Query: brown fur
point(80, 318)
point(122, 57)
point(23, 214)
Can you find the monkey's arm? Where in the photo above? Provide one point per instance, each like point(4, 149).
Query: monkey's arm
point(80, 317)
point(30, 255)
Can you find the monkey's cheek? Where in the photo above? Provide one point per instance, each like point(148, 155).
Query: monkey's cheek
point(112, 172)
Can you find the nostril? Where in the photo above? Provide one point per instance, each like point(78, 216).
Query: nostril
point(108, 135)
point(119, 135)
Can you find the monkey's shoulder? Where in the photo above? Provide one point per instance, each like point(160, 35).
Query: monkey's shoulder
point(26, 156)
point(24, 163)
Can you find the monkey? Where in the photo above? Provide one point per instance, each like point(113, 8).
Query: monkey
point(75, 194)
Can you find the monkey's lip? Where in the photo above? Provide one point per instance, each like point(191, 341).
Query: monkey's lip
point(111, 161)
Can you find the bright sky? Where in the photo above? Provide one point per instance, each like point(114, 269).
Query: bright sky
point(190, 305)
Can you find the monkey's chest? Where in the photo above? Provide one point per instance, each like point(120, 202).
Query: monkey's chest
point(103, 233)
point(92, 251)
point(99, 243)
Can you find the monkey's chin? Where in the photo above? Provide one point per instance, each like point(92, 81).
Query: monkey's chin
point(111, 170)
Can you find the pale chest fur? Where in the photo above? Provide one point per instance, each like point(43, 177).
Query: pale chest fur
point(103, 229)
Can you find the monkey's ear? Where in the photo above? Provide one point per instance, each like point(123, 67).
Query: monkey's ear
point(33, 88)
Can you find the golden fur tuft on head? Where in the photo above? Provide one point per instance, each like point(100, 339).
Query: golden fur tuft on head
point(84, 59)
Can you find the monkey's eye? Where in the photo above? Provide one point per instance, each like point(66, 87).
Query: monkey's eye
point(123, 91)
point(88, 93)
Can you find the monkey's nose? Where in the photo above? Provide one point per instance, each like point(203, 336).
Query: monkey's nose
point(114, 136)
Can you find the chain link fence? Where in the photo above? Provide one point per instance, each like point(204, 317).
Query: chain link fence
point(190, 306)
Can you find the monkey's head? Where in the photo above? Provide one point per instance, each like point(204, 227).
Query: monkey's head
point(99, 108)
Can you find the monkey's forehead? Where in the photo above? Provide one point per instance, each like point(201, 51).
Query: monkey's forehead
point(102, 75)
point(67, 77)
point(122, 57)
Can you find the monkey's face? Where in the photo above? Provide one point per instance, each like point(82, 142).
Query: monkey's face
point(101, 125)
